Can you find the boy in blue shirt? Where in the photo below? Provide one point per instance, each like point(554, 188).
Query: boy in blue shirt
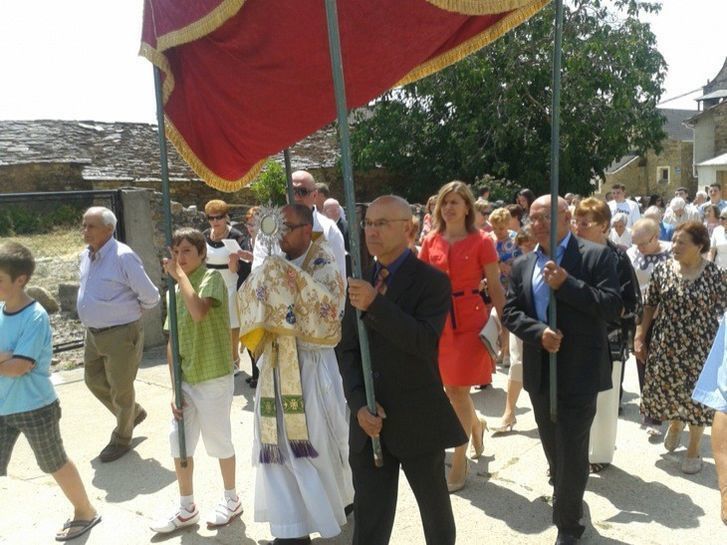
point(28, 402)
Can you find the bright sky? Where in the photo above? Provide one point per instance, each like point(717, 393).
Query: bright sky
point(78, 59)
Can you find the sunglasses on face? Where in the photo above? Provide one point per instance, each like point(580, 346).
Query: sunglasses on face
point(218, 217)
point(302, 191)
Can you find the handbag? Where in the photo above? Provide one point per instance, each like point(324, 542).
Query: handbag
point(490, 334)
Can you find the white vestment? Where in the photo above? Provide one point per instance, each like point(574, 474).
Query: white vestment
point(305, 495)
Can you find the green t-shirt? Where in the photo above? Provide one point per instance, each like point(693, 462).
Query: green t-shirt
point(204, 346)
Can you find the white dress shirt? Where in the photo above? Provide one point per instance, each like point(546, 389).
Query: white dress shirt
point(114, 287)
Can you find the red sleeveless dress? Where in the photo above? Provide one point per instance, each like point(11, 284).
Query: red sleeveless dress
point(463, 359)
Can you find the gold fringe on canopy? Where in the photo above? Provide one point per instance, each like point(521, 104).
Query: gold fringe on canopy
point(201, 27)
point(475, 43)
point(479, 7)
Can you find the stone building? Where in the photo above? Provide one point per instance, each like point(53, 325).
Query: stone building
point(55, 155)
point(710, 132)
point(663, 172)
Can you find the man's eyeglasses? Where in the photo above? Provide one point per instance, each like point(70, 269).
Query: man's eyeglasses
point(302, 191)
point(378, 224)
point(293, 226)
point(217, 217)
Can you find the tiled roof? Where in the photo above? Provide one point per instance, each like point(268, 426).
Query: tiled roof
point(125, 151)
point(674, 124)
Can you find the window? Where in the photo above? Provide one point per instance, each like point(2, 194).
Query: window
point(662, 175)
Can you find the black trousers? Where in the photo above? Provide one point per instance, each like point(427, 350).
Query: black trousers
point(376, 490)
point(566, 448)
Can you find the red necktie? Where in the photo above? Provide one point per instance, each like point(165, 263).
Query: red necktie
point(380, 284)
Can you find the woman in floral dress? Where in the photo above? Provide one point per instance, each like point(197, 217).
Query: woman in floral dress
point(687, 296)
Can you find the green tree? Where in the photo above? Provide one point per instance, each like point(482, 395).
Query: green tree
point(270, 185)
point(490, 113)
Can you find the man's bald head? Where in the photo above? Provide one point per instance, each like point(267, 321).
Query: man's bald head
point(304, 188)
point(393, 203)
point(388, 221)
point(541, 221)
point(332, 209)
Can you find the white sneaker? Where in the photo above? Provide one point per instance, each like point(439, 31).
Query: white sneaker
point(179, 519)
point(225, 512)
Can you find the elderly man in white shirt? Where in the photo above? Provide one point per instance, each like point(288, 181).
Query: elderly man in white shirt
point(114, 291)
point(305, 192)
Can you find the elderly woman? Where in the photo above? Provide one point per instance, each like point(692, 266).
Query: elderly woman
point(711, 218)
point(711, 390)
point(221, 258)
point(592, 221)
point(620, 234)
point(468, 256)
point(686, 298)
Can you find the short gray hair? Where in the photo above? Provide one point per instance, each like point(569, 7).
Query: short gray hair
point(620, 217)
point(107, 216)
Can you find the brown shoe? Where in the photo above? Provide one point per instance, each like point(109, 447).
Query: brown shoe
point(140, 417)
point(113, 451)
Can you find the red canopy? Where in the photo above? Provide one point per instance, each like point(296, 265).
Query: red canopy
point(244, 79)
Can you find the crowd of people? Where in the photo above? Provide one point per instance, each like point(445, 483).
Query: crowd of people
point(625, 277)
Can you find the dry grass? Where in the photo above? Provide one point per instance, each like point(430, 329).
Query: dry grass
point(62, 243)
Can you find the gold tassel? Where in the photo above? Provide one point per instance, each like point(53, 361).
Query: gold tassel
point(479, 7)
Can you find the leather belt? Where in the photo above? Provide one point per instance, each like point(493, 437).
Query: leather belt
point(97, 330)
point(214, 266)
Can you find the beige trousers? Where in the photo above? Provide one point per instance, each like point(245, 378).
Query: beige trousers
point(111, 360)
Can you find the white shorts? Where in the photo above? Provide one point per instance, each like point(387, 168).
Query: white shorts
point(207, 412)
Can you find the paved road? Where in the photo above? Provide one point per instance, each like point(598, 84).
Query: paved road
point(642, 499)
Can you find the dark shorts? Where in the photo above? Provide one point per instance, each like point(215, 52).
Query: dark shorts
point(40, 428)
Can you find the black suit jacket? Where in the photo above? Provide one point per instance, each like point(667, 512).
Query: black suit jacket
point(403, 327)
point(586, 302)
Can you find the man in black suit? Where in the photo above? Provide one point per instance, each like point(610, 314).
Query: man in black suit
point(586, 288)
point(404, 314)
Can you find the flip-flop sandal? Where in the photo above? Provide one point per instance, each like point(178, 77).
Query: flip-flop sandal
point(74, 528)
point(597, 468)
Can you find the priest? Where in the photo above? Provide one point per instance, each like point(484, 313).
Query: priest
point(290, 315)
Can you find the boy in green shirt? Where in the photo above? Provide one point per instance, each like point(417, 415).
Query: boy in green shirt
point(207, 377)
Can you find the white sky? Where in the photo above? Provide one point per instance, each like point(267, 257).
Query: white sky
point(78, 59)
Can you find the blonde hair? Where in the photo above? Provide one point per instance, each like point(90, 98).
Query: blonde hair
point(463, 191)
point(500, 216)
point(598, 209)
point(216, 206)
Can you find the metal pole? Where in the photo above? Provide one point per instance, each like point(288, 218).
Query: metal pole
point(288, 176)
point(334, 44)
point(172, 310)
point(554, 179)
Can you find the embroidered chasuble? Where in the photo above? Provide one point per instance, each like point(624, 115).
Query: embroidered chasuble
point(283, 302)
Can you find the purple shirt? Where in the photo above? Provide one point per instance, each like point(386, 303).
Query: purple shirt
point(114, 286)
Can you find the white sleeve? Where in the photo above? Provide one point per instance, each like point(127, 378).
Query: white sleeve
point(635, 212)
point(335, 239)
point(259, 253)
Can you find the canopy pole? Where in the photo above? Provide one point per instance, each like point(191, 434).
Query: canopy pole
point(288, 176)
point(334, 45)
point(172, 310)
point(554, 181)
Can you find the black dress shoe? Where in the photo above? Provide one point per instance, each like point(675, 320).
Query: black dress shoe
point(566, 539)
point(113, 451)
point(292, 540)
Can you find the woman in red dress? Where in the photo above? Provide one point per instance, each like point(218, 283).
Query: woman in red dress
point(467, 256)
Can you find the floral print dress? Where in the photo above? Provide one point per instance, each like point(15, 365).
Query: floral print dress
point(685, 327)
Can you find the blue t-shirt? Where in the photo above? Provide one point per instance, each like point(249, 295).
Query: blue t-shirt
point(26, 334)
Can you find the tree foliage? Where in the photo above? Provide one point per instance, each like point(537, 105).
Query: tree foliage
point(270, 186)
point(490, 113)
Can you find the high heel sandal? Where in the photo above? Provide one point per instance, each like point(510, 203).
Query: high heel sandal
point(459, 485)
point(504, 428)
point(475, 449)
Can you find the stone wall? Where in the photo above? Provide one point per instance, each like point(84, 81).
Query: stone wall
point(720, 129)
point(42, 177)
point(640, 176)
